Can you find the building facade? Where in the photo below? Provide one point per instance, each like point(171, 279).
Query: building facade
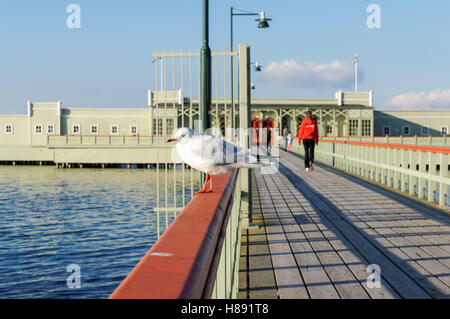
point(49, 132)
point(412, 122)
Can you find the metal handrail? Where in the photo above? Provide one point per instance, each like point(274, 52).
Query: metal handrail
point(419, 170)
point(183, 263)
point(421, 148)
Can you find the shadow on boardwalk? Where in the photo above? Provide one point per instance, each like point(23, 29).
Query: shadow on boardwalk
point(323, 228)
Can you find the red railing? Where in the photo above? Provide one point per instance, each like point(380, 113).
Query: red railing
point(181, 262)
point(420, 148)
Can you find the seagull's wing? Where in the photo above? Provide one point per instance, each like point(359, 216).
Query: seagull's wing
point(215, 156)
point(220, 152)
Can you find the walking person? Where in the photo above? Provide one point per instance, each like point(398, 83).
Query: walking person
point(289, 140)
point(269, 139)
point(285, 135)
point(309, 133)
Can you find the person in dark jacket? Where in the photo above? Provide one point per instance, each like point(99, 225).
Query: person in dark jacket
point(309, 133)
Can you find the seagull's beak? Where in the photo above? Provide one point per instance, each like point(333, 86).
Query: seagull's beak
point(171, 140)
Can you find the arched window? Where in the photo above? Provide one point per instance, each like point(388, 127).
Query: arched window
point(299, 121)
point(222, 124)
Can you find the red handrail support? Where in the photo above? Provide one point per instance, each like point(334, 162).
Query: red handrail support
point(179, 263)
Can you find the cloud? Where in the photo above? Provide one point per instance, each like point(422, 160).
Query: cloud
point(309, 74)
point(433, 99)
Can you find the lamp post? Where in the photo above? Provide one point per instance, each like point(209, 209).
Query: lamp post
point(205, 77)
point(263, 23)
point(205, 73)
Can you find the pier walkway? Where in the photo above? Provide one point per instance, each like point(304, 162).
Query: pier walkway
point(322, 229)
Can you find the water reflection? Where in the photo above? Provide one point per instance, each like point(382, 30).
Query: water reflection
point(102, 220)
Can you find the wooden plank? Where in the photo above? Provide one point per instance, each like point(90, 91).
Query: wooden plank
point(289, 282)
point(314, 276)
point(434, 286)
point(343, 272)
point(243, 271)
point(358, 265)
point(405, 286)
point(411, 245)
point(338, 230)
point(261, 277)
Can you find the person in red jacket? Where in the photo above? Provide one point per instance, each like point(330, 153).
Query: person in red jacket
point(309, 133)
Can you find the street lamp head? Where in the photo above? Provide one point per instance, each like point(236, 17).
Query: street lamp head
point(252, 86)
point(263, 21)
point(257, 67)
point(155, 60)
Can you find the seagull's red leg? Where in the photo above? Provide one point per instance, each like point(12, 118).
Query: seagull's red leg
point(203, 190)
point(210, 185)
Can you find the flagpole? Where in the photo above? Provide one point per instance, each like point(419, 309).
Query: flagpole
point(355, 61)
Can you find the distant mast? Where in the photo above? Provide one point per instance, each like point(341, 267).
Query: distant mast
point(355, 61)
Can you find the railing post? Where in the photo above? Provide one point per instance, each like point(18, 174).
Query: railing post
point(403, 175)
point(361, 156)
point(389, 155)
point(244, 124)
point(364, 153)
point(377, 167)
point(422, 168)
point(443, 173)
point(412, 163)
point(333, 154)
point(431, 171)
point(384, 158)
point(394, 174)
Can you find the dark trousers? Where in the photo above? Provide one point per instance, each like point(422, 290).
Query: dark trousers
point(309, 144)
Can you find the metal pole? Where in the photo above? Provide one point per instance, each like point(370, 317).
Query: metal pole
point(205, 77)
point(355, 61)
point(232, 73)
point(205, 72)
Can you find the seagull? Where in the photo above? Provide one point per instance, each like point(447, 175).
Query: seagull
point(211, 155)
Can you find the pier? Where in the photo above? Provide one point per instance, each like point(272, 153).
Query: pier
point(320, 231)
point(312, 235)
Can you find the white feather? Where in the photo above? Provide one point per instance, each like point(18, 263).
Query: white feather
point(210, 154)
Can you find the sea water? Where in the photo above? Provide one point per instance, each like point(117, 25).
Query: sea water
point(56, 224)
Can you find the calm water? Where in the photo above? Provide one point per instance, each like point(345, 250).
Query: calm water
point(101, 220)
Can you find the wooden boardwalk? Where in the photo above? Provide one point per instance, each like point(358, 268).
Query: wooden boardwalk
point(322, 229)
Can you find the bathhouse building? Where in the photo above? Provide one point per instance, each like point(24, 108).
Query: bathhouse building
point(49, 132)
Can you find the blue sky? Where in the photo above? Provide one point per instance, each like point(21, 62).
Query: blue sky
point(106, 62)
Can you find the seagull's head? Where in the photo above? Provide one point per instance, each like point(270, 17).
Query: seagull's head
point(181, 134)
